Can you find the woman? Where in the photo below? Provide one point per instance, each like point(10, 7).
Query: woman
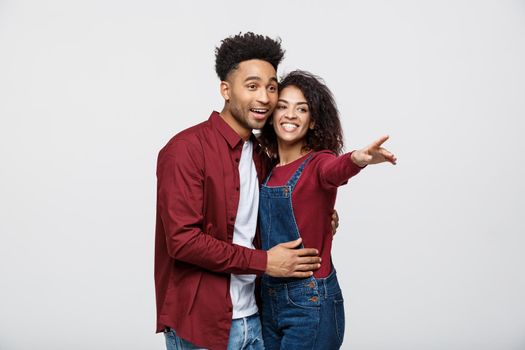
point(304, 137)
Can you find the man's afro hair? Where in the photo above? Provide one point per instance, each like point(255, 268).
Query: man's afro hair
point(243, 47)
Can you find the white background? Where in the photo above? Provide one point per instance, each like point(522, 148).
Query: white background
point(429, 252)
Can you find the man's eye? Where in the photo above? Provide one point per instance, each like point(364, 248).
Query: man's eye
point(252, 86)
point(272, 88)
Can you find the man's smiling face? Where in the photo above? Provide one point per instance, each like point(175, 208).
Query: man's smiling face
point(251, 94)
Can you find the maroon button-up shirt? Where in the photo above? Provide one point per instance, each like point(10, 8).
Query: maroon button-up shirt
point(197, 199)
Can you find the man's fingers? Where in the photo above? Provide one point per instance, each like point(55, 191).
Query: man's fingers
point(307, 267)
point(302, 274)
point(335, 219)
point(292, 244)
point(308, 260)
point(307, 252)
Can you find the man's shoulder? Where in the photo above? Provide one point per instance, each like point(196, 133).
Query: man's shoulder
point(190, 137)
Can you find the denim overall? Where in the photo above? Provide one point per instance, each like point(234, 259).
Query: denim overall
point(297, 314)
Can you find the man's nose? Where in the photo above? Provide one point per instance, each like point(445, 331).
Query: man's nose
point(263, 97)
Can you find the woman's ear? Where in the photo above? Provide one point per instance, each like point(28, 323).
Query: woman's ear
point(312, 125)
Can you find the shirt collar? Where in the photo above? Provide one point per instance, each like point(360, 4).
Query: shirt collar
point(228, 133)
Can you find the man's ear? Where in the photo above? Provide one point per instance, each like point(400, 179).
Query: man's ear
point(225, 90)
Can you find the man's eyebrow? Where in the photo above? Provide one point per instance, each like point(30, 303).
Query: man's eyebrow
point(255, 77)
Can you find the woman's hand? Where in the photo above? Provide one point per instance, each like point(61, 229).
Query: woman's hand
point(373, 154)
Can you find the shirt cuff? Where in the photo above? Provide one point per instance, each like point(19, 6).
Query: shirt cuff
point(259, 261)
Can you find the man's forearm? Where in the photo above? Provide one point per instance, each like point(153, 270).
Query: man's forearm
point(197, 248)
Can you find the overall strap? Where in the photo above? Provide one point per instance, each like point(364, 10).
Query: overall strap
point(297, 174)
point(267, 178)
point(295, 177)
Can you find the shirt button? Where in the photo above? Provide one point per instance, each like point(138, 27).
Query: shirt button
point(237, 189)
point(237, 160)
point(232, 219)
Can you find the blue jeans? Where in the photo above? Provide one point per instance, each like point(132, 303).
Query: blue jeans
point(302, 314)
point(245, 334)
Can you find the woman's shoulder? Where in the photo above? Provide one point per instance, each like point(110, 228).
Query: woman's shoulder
point(323, 155)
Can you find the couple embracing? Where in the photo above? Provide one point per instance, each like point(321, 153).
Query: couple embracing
point(232, 206)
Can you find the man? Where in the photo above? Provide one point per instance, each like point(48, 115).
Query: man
point(207, 205)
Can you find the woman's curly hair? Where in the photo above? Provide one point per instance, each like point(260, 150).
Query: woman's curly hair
point(243, 47)
point(327, 133)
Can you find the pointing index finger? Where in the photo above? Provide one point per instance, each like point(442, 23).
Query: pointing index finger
point(380, 141)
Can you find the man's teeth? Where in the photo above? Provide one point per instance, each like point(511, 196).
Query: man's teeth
point(259, 110)
point(289, 127)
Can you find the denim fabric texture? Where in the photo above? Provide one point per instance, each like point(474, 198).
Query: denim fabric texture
point(276, 218)
point(297, 314)
point(302, 314)
point(245, 334)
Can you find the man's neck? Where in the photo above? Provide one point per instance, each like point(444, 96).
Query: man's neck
point(232, 122)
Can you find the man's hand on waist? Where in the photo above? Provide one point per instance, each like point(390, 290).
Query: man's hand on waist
point(285, 261)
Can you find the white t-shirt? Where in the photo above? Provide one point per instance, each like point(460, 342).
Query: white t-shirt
point(242, 287)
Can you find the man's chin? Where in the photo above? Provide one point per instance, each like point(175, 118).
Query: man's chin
point(257, 124)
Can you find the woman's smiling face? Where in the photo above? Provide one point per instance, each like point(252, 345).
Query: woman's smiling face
point(291, 118)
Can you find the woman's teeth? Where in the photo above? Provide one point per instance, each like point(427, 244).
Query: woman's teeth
point(289, 127)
